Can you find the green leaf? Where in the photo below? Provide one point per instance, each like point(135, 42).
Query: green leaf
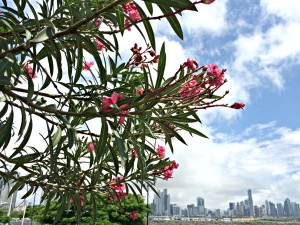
point(120, 18)
point(174, 3)
point(178, 118)
point(5, 64)
point(161, 66)
point(159, 165)
point(44, 35)
point(171, 132)
point(25, 139)
point(173, 21)
point(79, 60)
point(189, 129)
point(17, 186)
point(100, 145)
point(148, 27)
point(30, 89)
point(120, 144)
point(71, 134)
point(28, 193)
point(5, 131)
point(57, 136)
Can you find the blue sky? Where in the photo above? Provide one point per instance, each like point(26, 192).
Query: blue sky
point(257, 41)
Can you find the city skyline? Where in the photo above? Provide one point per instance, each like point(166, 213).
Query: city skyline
point(162, 205)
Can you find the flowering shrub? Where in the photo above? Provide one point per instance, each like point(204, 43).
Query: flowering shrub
point(104, 118)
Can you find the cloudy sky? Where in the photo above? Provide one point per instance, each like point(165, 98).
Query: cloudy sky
point(257, 148)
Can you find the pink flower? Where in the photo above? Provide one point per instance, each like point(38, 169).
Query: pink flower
point(168, 170)
point(134, 15)
point(140, 91)
point(91, 147)
point(192, 64)
point(108, 101)
point(174, 165)
point(168, 174)
point(87, 65)
point(161, 152)
point(29, 70)
point(155, 59)
point(134, 152)
point(100, 45)
point(81, 196)
point(134, 215)
point(127, 23)
point(97, 22)
point(238, 105)
point(216, 75)
point(131, 10)
point(207, 1)
point(190, 89)
point(119, 187)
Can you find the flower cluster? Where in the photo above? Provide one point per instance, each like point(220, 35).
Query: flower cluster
point(167, 171)
point(139, 57)
point(119, 187)
point(107, 103)
point(134, 215)
point(190, 89)
point(161, 152)
point(100, 45)
point(130, 9)
point(215, 75)
point(87, 65)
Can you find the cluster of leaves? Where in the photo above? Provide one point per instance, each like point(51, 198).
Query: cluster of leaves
point(108, 214)
point(52, 39)
point(3, 216)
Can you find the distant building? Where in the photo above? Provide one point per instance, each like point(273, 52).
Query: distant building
point(175, 210)
point(201, 206)
point(287, 207)
point(279, 210)
point(161, 204)
point(6, 201)
point(250, 204)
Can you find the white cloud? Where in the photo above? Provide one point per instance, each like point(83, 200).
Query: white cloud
point(288, 10)
point(209, 18)
point(266, 53)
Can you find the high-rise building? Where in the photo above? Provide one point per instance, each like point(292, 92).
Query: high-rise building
point(250, 203)
point(201, 206)
point(162, 204)
point(287, 207)
point(5, 200)
point(175, 210)
point(279, 210)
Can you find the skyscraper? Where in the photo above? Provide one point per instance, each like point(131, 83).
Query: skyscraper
point(201, 206)
point(250, 203)
point(162, 204)
point(287, 207)
point(6, 201)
